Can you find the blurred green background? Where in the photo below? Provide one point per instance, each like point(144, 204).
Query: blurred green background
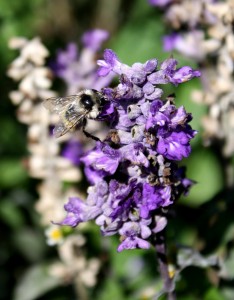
point(136, 31)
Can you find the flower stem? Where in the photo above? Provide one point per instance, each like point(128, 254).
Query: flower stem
point(80, 289)
point(168, 283)
point(229, 173)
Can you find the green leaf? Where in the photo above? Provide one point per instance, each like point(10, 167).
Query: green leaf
point(190, 257)
point(11, 134)
point(184, 97)
point(131, 267)
point(111, 290)
point(35, 283)
point(204, 168)
point(12, 173)
point(140, 38)
point(214, 294)
point(227, 293)
point(24, 237)
point(229, 264)
point(11, 214)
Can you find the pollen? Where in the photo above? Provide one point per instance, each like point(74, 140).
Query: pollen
point(54, 236)
point(171, 270)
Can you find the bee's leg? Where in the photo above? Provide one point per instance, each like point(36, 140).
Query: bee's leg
point(89, 135)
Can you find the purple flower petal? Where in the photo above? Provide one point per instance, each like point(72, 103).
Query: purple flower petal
point(93, 39)
point(130, 232)
point(150, 65)
point(78, 211)
point(184, 74)
point(174, 145)
point(73, 151)
point(160, 3)
point(133, 243)
point(134, 153)
point(107, 65)
point(104, 158)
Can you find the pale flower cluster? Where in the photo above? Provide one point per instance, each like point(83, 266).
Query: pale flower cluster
point(73, 265)
point(203, 31)
point(35, 81)
point(218, 79)
point(45, 161)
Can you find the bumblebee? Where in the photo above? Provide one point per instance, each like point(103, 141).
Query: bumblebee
point(74, 110)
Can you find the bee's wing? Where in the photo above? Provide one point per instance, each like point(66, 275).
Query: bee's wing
point(63, 127)
point(58, 104)
point(59, 130)
point(67, 109)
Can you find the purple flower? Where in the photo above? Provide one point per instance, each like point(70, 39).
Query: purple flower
point(78, 68)
point(169, 74)
point(103, 158)
point(154, 197)
point(170, 41)
point(108, 64)
point(93, 39)
point(130, 237)
point(187, 43)
point(190, 32)
point(160, 3)
point(133, 171)
point(64, 58)
point(134, 154)
point(73, 151)
point(175, 145)
point(184, 74)
point(78, 211)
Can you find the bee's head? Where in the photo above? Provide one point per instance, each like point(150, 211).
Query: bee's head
point(87, 100)
point(99, 98)
point(91, 98)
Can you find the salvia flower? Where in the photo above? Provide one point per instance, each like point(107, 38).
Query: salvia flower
point(203, 30)
point(72, 151)
point(160, 3)
point(77, 67)
point(133, 173)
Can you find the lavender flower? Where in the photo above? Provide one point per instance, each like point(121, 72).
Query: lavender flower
point(93, 39)
point(203, 30)
point(186, 43)
point(73, 150)
point(187, 18)
point(133, 173)
point(160, 3)
point(78, 67)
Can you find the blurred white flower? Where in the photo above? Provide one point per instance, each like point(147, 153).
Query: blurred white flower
point(204, 32)
point(45, 160)
point(54, 235)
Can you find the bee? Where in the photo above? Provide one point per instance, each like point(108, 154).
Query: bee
point(74, 110)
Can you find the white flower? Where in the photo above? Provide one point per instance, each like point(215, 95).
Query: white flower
point(54, 235)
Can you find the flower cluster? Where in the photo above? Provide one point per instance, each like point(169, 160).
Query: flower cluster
point(77, 67)
point(74, 266)
point(133, 173)
point(44, 161)
point(188, 19)
point(50, 160)
point(203, 30)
